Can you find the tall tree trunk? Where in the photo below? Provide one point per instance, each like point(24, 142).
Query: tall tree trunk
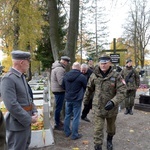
point(71, 44)
point(53, 21)
point(29, 73)
point(16, 29)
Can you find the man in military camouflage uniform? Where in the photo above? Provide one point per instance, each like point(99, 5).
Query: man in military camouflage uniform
point(132, 79)
point(109, 92)
point(90, 64)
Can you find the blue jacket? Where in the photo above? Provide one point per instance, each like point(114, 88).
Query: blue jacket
point(74, 83)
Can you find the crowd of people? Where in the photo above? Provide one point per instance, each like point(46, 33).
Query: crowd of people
point(100, 88)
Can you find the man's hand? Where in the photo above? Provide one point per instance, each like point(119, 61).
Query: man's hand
point(34, 118)
point(109, 105)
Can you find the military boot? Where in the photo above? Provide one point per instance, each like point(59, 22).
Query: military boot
point(130, 111)
point(127, 111)
point(98, 147)
point(109, 142)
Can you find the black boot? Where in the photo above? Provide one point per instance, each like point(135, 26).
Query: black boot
point(130, 111)
point(98, 147)
point(109, 142)
point(127, 111)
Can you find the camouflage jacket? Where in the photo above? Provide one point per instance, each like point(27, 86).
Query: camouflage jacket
point(109, 88)
point(133, 81)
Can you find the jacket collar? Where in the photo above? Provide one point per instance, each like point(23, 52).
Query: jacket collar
point(16, 72)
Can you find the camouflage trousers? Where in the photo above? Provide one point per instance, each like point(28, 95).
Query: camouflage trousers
point(129, 101)
point(99, 123)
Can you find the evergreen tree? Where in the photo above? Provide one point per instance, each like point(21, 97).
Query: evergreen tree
point(44, 49)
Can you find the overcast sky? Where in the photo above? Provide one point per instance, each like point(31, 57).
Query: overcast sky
point(117, 13)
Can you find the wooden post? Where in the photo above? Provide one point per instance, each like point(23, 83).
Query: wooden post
point(114, 50)
point(114, 43)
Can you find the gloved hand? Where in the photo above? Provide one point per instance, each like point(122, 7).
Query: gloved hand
point(109, 105)
point(85, 106)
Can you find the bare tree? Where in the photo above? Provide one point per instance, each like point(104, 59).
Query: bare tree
point(138, 29)
point(71, 44)
point(72, 34)
point(53, 21)
point(97, 21)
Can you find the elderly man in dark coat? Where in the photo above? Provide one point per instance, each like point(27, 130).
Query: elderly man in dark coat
point(74, 83)
point(17, 99)
point(86, 72)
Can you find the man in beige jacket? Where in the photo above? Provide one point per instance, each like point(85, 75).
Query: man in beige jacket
point(57, 74)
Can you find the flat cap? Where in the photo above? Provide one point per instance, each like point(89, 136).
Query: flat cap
point(20, 55)
point(104, 59)
point(128, 60)
point(66, 58)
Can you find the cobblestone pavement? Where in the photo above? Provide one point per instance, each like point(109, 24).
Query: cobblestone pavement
point(132, 133)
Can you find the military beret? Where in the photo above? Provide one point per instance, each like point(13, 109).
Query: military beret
point(20, 55)
point(66, 58)
point(128, 60)
point(104, 59)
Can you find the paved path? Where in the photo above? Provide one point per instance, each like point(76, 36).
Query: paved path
point(133, 133)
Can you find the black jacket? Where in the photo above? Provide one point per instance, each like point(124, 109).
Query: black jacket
point(74, 83)
point(87, 74)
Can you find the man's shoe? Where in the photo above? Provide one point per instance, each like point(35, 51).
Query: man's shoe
point(98, 147)
point(61, 124)
point(59, 128)
point(109, 145)
point(86, 119)
point(127, 111)
point(130, 112)
point(68, 135)
point(78, 137)
point(109, 142)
